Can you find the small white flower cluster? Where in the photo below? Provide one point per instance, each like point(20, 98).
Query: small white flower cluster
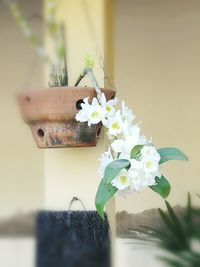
point(141, 173)
point(95, 112)
point(124, 135)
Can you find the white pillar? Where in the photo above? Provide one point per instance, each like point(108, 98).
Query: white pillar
point(74, 171)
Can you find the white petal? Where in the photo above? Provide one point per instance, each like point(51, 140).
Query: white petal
point(117, 145)
point(136, 164)
point(95, 102)
point(121, 181)
point(81, 116)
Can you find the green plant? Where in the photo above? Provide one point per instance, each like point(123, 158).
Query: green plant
point(57, 63)
point(180, 238)
point(131, 163)
point(58, 75)
point(160, 184)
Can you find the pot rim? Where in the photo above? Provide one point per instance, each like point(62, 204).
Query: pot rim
point(59, 104)
point(64, 88)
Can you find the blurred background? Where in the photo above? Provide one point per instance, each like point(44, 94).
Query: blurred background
point(156, 52)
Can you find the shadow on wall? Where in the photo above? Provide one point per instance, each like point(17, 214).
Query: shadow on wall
point(23, 224)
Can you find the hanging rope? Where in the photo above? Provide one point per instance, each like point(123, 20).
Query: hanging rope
point(75, 199)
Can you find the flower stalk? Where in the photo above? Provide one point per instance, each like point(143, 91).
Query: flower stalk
point(88, 71)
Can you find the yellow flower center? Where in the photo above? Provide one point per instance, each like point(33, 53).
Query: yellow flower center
point(116, 126)
point(108, 108)
point(148, 164)
point(123, 179)
point(95, 115)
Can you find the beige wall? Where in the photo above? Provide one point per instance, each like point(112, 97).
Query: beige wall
point(157, 74)
point(21, 163)
point(157, 62)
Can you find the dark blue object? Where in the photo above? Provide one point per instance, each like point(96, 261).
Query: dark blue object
point(72, 239)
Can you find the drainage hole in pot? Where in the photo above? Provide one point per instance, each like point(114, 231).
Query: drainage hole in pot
point(78, 104)
point(28, 99)
point(40, 133)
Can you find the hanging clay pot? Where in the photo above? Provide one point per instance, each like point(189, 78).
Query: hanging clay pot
point(51, 115)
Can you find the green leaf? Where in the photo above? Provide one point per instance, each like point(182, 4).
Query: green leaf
point(104, 193)
point(162, 187)
point(136, 151)
point(106, 190)
point(172, 215)
point(174, 219)
point(171, 262)
point(189, 209)
point(171, 153)
point(167, 221)
point(61, 52)
point(114, 168)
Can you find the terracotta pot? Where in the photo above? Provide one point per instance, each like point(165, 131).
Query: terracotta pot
point(51, 115)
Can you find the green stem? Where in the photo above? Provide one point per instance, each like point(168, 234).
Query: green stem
point(82, 75)
point(95, 83)
point(88, 71)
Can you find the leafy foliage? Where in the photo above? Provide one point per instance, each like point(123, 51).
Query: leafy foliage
point(114, 168)
point(162, 187)
point(168, 153)
point(106, 190)
point(104, 193)
point(178, 237)
point(171, 153)
point(136, 151)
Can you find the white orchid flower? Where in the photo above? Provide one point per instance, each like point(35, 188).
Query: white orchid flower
point(140, 179)
point(134, 131)
point(151, 178)
point(150, 166)
point(95, 112)
point(105, 159)
point(136, 164)
point(124, 136)
point(109, 106)
point(92, 113)
point(131, 131)
point(121, 146)
point(114, 124)
point(124, 147)
point(82, 115)
point(137, 181)
point(127, 114)
point(122, 180)
point(150, 158)
point(150, 152)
